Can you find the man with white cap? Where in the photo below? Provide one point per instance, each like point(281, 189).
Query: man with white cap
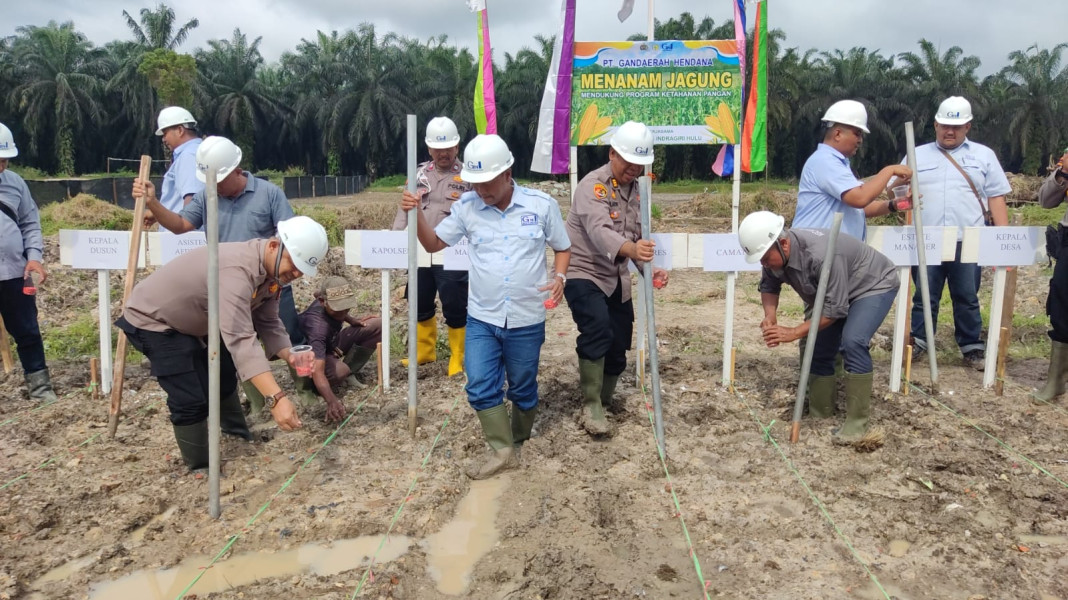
point(507, 227)
point(828, 184)
point(962, 185)
point(21, 253)
point(177, 128)
point(604, 225)
point(438, 187)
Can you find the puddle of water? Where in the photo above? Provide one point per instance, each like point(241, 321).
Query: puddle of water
point(65, 570)
point(453, 551)
point(138, 534)
point(243, 569)
point(1043, 539)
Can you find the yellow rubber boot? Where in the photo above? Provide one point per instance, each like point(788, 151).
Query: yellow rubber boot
point(456, 346)
point(426, 341)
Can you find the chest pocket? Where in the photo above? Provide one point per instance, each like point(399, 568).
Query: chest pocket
point(480, 240)
point(532, 233)
point(261, 224)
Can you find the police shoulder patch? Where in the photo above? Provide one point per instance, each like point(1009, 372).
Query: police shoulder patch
point(600, 191)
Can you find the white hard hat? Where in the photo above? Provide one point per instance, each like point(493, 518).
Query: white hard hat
point(217, 153)
point(954, 110)
point(7, 143)
point(758, 232)
point(848, 112)
point(174, 115)
point(634, 142)
point(441, 133)
point(485, 157)
point(306, 241)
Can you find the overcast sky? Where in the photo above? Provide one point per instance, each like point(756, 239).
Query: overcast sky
point(988, 29)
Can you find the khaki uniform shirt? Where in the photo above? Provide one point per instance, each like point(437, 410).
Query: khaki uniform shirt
point(175, 297)
point(437, 191)
point(604, 215)
point(858, 271)
point(1053, 192)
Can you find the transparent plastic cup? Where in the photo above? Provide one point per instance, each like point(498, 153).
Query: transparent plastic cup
point(900, 191)
point(303, 359)
point(546, 295)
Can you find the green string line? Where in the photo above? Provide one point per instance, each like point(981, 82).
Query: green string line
point(812, 495)
point(403, 503)
point(675, 498)
point(233, 538)
point(1032, 393)
point(1021, 455)
point(47, 462)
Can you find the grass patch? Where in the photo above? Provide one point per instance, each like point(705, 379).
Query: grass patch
point(388, 182)
point(656, 211)
point(28, 172)
point(84, 212)
point(328, 218)
point(277, 176)
point(80, 340)
point(698, 186)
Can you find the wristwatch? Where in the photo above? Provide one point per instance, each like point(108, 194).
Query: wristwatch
point(270, 401)
point(563, 278)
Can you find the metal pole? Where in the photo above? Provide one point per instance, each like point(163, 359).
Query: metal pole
point(211, 233)
point(645, 189)
point(103, 291)
point(921, 253)
point(413, 280)
point(814, 327)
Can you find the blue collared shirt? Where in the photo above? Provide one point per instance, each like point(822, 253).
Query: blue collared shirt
point(507, 251)
point(20, 242)
point(825, 177)
point(253, 214)
point(945, 195)
point(181, 179)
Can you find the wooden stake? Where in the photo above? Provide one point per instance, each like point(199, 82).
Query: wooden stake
point(94, 383)
point(131, 277)
point(1003, 352)
point(908, 368)
point(5, 349)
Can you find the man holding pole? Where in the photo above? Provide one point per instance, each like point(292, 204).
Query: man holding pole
point(178, 130)
point(860, 292)
point(166, 318)
point(828, 184)
point(249, 208)
point(605, 230)
point(439, 186)
point(21, 252)
point(1052, 193)
point(962, 185)
point(508, 228)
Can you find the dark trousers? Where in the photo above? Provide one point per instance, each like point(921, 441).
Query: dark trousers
point(852, 336)
point(287, 312)
point(180, 364)
point(1057, 301)
point(367, 337)
point(963, 280)
point(451, 286)
point(605, 323)
point(19, 312)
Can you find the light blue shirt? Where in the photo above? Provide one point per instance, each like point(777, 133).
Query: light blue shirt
point(945, 196)
point(22, 241)
point(181, 179)
point(825, 177)
point(507, 251)
point(253, 214)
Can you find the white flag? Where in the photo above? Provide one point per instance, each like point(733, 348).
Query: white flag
point(476, 5)
point(628, 7)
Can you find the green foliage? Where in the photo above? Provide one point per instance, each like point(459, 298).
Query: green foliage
point(171, 75)
point(390, 182)
point(656, 211)
point(328, 218)
point(80, 339)
point(28, 172)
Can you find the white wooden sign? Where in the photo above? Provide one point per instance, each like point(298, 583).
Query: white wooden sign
point(899, 245)
point(101, 250)
point(172, 246)
point(723, 254)
point(1010, 246)
point(384, 249)
point(455, 258)
point(664, 252)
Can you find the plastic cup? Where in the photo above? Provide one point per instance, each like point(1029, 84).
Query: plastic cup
point(29, 286)
point(303, 359)
point(545, 295)
point(900, 191)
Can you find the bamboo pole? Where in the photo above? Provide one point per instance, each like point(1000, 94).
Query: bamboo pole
point(1003, 352)
point(131, 277)
point(908, 368)
point(413, 284)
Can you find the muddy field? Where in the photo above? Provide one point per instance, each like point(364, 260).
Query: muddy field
point(965, 500)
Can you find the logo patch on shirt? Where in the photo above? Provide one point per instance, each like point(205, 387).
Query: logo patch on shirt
point(614, 214)
point(455, 195)
point(600, 191)
point(457, 178)
point(529, 219)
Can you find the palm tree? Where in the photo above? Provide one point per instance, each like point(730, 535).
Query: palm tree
point(1036, 104)
point(935, 77)
point(156, 29)
point(61, 75)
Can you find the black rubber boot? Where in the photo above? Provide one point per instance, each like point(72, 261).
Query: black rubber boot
point(39, 385)
point(193, 444)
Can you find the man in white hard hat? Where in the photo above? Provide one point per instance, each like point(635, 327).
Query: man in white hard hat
point(508, 228)
point(604, 225)
point(860, 292)
point(21, 253)
point(828, 184)
point(962, 185)
point(1053, 192)
point(178, 130)
point(249, 208)
point(439, 186)
point(166, 318)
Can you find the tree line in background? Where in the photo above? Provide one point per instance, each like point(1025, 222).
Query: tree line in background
point(337, 103)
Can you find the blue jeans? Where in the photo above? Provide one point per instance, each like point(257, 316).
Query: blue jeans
point(495, 352)
point(852, 336)
point(963, 280)
point(19, 313)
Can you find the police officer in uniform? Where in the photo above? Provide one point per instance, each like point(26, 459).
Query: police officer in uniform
point(1052, 193)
